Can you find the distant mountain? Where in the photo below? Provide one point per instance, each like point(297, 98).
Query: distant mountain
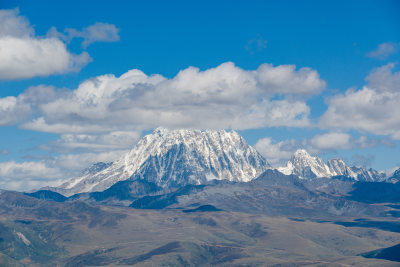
point(173, 158)
point(121, 193)
point(368, 175)
point(272, 193)
point(47, 195)
point(304, 165)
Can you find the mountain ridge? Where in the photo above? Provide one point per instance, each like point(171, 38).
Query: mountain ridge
point(174, 158)
point(305, 166)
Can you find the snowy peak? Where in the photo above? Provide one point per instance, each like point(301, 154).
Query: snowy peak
point(301, 153)
point(306, 166)
point(214, 150)
point(369, 175)
point(177, 157)
point(339, 167)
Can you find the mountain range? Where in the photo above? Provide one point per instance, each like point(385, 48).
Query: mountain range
point(206, 198)
point(305, 166)
point(175, 158)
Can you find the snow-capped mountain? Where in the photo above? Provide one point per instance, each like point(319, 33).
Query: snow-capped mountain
point(304, 165)
point(174, 158)
point(368, 175)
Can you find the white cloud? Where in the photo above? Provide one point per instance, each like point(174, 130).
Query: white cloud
point(23, 55)
point(222, 97)
point(16, 109)
point(39, 170)
point(284, 79)
point(29, 57)
point(372, 109)
point(12, 110)
point(98, 32)
point(331, 141)
point(32, 175)
point(384, 50)
point(26, 175)
point(384, 80)
point(257, 44)
point(14, 25)
point(98, 143)
point(276, 152)
point(73, 164)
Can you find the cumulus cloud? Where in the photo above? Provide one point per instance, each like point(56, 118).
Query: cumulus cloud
point(30, 57)
point(16, 109)
point(384, 80)
point(384, 50)
point(24, 55)
point(222, 97)
point(14, 25)
point(371, 109)
point(12, 110)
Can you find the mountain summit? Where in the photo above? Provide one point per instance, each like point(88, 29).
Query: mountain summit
point(171, 158)
point(304, 165)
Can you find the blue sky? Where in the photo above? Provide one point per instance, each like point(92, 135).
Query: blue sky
point(315, 52)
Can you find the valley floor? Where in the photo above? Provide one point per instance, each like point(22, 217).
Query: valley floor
point(79, 234)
